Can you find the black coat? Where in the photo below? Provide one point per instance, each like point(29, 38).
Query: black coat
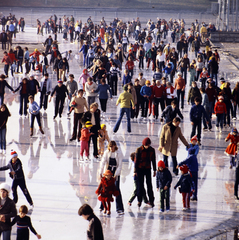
point(95, 229)
point(163, 178)
point(186, 183)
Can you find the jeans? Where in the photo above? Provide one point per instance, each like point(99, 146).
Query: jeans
point(195, 180)
point(90, 100)
point(214, 75)
point(43, 100)
point(1, 99)
point(161, 65)
point(211, 109)
point(84, 59)
point(141, 173)
point(204, 121)
point(6, 68)
point(119, 202)
point(19, 64)
point(44, 70)
point(3, 138)
point(197, 125)
point(180, 93)
point(122, 111)
point(164, 195)
point(6, 235)
point(113, 84)
point(37, 116)
point(23, 98)
point(184, 73)
point(175, 163)
point(22, 184)
point(141, 62)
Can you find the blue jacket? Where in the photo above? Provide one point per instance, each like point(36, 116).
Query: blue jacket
point(163, 178)
point(186, 183)
point(84, 49)
point(168, 70)
point(34, 107)
point(16, 167)
point(126, 79)
point(192, 163)
point(169, 113)
point(146, 91)
point(195, 147)
point(196, 113)
point(103, 91)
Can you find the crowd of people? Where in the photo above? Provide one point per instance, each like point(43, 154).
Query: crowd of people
point(110, 54)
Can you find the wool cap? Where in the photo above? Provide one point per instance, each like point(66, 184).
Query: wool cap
point(184, 169)
point(194, 138)
point(59, 81)
point(13, 153)
point(161, 164)
point(221, 98)
point(146, 141)
point(88, 124)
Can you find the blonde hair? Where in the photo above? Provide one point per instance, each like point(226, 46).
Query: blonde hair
point(112, 144)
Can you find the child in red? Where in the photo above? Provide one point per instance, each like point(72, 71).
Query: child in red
point(220, 109)
point(106, 189)
point(84, 140)
point(130, 66)
point(231, 149)
point(186, 186)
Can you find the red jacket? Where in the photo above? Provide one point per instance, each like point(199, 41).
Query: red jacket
point(7, 60)
point(85, 134)
point(158, 91)
point(12, 57)
point(129, 65)
point(220, 108)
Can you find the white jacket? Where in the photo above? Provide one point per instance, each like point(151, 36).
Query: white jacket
point(48, 85)
point(88, 89)
point(105, 162)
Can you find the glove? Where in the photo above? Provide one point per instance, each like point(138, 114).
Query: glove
point(174, 187)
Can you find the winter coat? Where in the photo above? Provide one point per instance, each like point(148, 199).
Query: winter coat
point(16, 167)
point(193, 92)
point(196, 113)
point(168, 142)
point(185, 182)
point(232, 147)
point(163, 178)
point(192, 163)
point(169, 113)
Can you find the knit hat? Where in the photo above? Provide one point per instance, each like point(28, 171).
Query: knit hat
point(179, 74)
point(88, 124)
point(84, 70)
point(35, 50)
point(222, 80)
point(161, 164)
point(220, 98)
point(59, 81)
point(125, 88)
point(147, 82)
point(5, 186)
point(194, 138)
point(184, 169)
point(234, 130)
point(108, 172)
point(13, 154)
point(191, 151)
point(54, 48)
point(146, 141)
point(102, 125)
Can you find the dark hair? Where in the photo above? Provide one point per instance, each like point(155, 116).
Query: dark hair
point(71, 75)
point(176, 119)
point(6, 109)
point(23, 209)
point(174, 102)
point(81, 90)
point(85, 209)
point(46, 74)
point(202, 89)
point(132, 156)
point(102, 80)
point(90, 78)
point(197, 99)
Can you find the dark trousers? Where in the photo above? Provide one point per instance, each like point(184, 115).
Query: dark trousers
point(94, 140)
point(204, 121)
point(23, 234)
point(113, 85)
point(184, 73)
point(23, 98)
point(195, 180)
point(236, 182)
point(158, 101)
point(197, 125)
point(134, 194)
point(161, 65)
point(1, 99)
point(119, 202)
point(6, 68)
point(19, 64)
point(227, 117)
point(235, 109)
point(103, 104)
point(59, 105)
point(37, 116)
point(4, 44)
point(180, 95)
point(141, 173)
point(137, 105)
point(22, 184)
point(164, 196)
point(144, 107)
point(77, 124)
point(43, 100)
point(27, 66)
point(220, 118)
point(175, 163)
point(141, 62)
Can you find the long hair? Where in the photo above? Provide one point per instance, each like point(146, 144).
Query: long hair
point(6, 109)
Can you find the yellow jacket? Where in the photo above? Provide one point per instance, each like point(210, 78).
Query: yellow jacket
point(125, 99)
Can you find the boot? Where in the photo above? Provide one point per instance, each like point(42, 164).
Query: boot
point(31, 132)
point(41, 130)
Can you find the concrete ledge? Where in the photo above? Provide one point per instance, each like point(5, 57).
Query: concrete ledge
point(223, 36)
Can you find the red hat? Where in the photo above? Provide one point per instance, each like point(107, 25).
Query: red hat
point(84, 70)
point(184, 169)
point(54, 48)
point(13, 154)
point(194, 138)
point(59, 81)
point(146, 141)
point(161, 164)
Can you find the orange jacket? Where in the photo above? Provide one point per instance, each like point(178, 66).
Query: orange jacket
point(85, 134)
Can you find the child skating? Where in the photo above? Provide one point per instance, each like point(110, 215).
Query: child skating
point(103, 135)
point(106, 189)
point(231, 149)
point(163, 183)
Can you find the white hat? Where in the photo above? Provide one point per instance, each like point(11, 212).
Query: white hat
point(13, 153)
point(5, 186)
point(179, 74)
